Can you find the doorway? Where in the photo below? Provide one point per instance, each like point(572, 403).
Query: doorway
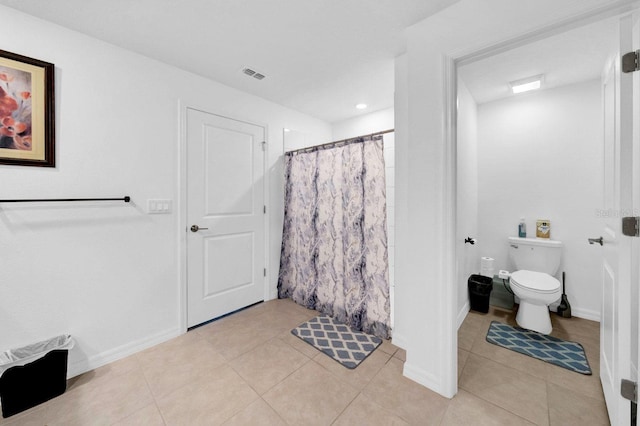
point(538, 159)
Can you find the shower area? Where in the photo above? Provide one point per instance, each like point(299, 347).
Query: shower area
point(337, 253)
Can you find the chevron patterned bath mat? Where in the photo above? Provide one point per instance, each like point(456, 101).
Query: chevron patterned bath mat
point(569, 355)
point(337, 340)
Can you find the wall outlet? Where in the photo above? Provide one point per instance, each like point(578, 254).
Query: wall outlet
point(504, 274)
point(159, 206)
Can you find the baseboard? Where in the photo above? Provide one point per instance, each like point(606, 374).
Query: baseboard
point(95, 361)
point(586, 314)
point(463, 313)
point(425, 378)
point(399, 340)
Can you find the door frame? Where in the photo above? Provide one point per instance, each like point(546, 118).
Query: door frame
point(181, 208)
point(451, 61)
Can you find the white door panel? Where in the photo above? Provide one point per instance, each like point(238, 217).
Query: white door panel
point(226, 258)
point(619, 263)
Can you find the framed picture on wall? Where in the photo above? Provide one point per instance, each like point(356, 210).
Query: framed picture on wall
point(27, 119)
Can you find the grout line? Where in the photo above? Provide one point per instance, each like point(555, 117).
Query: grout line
point(345, 408)
point(273, 409)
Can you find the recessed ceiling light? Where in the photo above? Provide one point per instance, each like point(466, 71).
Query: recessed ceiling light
point(361, 106)
point(287, 130)
point(526, 84)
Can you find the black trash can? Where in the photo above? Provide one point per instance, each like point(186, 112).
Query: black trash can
point(480, 292)
point(33, 374)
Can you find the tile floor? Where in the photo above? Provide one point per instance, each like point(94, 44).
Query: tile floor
point(247, 369)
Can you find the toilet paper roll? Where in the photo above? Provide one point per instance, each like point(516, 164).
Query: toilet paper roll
point(486, 262)
point(486, 266)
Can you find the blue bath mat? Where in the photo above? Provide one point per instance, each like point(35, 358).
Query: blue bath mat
point(337, 340)
point(565, 354)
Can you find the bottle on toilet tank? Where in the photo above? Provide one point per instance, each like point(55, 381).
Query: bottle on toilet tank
point(522, 228)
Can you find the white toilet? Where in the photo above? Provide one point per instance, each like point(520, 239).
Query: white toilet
point(536, 261)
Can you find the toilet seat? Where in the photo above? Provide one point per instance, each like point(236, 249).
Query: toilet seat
point(538, 282)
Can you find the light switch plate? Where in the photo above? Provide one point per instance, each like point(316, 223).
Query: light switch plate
point(159, 206)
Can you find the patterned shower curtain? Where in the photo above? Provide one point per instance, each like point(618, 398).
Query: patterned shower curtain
point(334, 243)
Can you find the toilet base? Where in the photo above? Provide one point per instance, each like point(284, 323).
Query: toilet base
point(534, 317)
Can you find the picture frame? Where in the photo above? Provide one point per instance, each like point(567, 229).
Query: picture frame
point(27, 116)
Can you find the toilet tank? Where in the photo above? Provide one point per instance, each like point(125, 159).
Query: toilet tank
point(535, 254)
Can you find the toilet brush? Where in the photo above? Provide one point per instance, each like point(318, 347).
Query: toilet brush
point(564, 308)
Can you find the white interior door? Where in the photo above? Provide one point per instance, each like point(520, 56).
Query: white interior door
point(225, 215)
point(635, 255)
point(619, 266)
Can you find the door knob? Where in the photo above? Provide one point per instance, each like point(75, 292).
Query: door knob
point(470, 240)
point(196, 228)
point(596, 241)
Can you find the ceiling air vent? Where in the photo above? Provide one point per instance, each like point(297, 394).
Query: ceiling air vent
point(252, 73)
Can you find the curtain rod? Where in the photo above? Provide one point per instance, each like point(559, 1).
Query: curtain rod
point(335, 143)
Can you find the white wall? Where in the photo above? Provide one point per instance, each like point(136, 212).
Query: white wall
point(468, 256)
point(108, 273)
point(540, 157)
point(364, 124)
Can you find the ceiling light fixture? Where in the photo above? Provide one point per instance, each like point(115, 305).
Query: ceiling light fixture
point(361, 106)
point(526, 84)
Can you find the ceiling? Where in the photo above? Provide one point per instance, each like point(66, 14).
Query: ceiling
point(320, 57)
point(571, 57)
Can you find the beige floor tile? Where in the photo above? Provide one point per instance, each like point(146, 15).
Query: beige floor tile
point(169, 346)
point(35, 416)
point(470, 330)
point(106, 372)
point(310, 396)
point(364, 412)
point(112, 401)
point(406, 399)
point(400, 354)
point(279, 321)
point(567, 407)
point(359, 376)
point(388, 347)
point(515, 360)
point(462, 360)
point(467, 409)
point(212, 400)
point(585, 385)
point(235, 340)
point(147, 416)
point(298, 344)
point(575, 327)
point(268, 364)
point(257, 413)
point(181, 346)
point(507, 316)
point(167, 372)
point(511, 389)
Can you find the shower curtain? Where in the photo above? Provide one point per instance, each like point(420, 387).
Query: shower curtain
point(334, 243)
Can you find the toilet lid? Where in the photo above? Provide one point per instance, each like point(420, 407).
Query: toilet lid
point(536, 281)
